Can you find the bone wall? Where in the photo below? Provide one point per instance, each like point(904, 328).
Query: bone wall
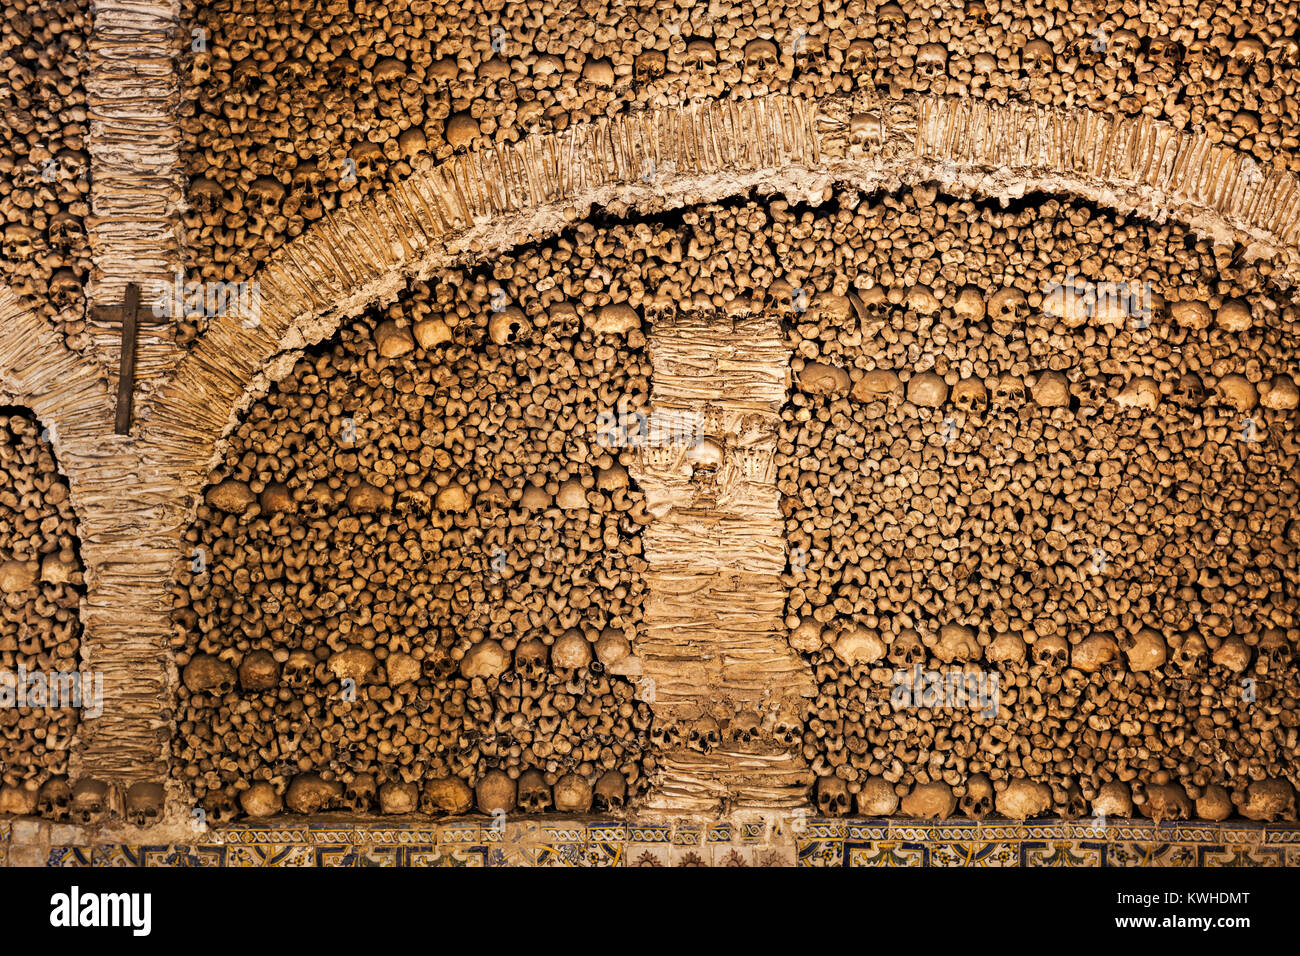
point(415, 575)
point(304, 108)
point(40, 629)
point(44, 164)
point(1093, 507)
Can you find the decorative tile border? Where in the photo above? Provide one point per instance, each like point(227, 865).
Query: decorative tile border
point(615, 843)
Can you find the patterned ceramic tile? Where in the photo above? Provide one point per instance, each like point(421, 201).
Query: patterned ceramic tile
point(798, 840)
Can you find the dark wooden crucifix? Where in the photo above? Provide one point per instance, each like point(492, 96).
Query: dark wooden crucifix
point(128, 313)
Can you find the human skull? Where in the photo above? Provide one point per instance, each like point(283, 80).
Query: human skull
point(1142, 392)
point(496, 792)
point(1190, 653)
point(875, 302)
point(745, 727)
point(877, 798)
point(906, 649)
point(860, 61)
point(360, 794)
point(144, 804)
point(866, 130)
point(446, 795)
point(1097, 652)
point(66, 231)
point(221, 806)
point(1007, 647)
point(879, 385)
point(1214, 804)
point(534, 794)
point(208, 674)
point(531, 659)
point(649, 66)
point(833, 798)
point(1267, 800)
point(977, 802)
point(1009, 391)
point(818, 379)
point(1145, 649)
point(90, 802)
point(927, 390)
point(1037, 58)
point(1167, 801)
point(930, 801)
point(1233, 655)
point(954, 643)
point(1019, 799)
point(260, 800)
point(259, 671)
point(970, 395)
point(1113, 800)
point(299, 670)
point(1052, 652)
point(266, 194)
point(1009, 309)
point(704, 735)
point(761, 61)
point(1279, 394)
point(809, 56)
point(1123, 47)
point(704, 458)
point(508, 326)
point(932, 62)
point(1191, 315)
point(65, 289)
point(661, 310)
point(1190, 392)
point(571, 651)
point(610, 792)
point(572, 794)
point(20, 242)
point(485, 659)
point(368, 158)
point(54, 802)
point(1273, 647)
point(700, 58)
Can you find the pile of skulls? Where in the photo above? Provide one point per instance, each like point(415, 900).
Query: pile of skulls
point(40, 632)
point(1055, 452)
point(44, 166)
point(293, 108)
point(413, 583)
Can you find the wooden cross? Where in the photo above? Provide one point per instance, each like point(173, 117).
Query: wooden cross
point(128, 313)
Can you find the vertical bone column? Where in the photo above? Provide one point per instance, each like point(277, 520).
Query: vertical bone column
point(133, 90)
point(713, 639)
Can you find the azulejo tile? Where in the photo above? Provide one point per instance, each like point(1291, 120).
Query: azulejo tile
point(652, 833)
point(70, 856)
point(813, 852)
point(1066, 852)
point(789, 841)
point(183, 855)
point(647, 854)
